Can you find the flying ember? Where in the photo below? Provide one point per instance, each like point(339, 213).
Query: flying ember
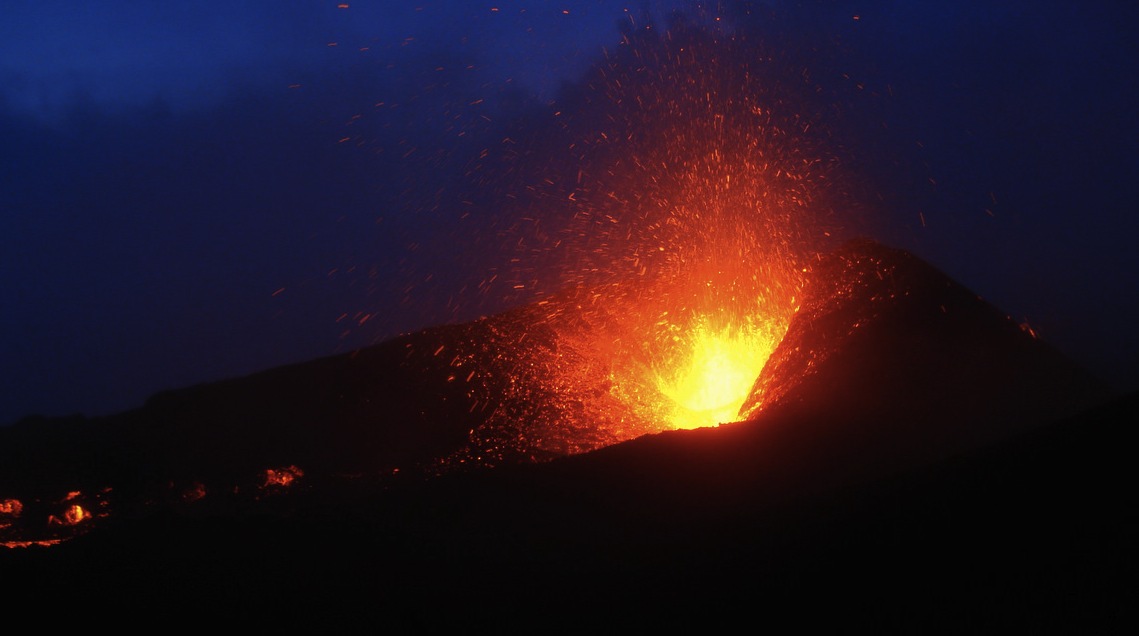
point(654, 229)
point(662, 223)
point(695, 203)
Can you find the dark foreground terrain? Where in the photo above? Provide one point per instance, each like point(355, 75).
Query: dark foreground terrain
point(919, 465)
point(1035, 534)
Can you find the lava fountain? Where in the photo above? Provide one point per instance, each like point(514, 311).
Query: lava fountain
point(660, 228)
point(657, 225)
point(709, 385)
point(693, 207)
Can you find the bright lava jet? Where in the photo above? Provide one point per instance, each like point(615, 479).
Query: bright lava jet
point(658, 225)
point(696, 198)
point(709, 387)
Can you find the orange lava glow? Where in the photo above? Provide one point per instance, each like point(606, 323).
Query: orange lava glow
point(31, 542)
point(709, 383)
point(660, 241)
point(692, 226)
point(10, 511)
point(281, 477)
point(692, 367)
point(194, 492)
point(10, 508)
point(73, 515)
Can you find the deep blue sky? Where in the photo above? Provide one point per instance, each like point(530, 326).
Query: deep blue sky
point(194, 191)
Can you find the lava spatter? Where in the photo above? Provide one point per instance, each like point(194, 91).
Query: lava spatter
point(678, 194)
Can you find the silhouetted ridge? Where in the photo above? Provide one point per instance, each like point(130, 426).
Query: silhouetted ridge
point(889, 364)
point(910, 466)
point(882, 336)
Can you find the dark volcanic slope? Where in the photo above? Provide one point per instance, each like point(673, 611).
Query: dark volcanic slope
point(889, 363)
point(887, 333)
point(920, 464)
point(373, 410)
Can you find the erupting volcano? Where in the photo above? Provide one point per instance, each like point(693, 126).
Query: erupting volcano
point(666, 223)
point(668, 250)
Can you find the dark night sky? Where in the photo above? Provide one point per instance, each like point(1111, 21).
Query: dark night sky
point(196, 191)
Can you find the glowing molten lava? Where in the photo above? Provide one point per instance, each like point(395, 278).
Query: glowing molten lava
point(72, 515)
point(10, 508)
point(659, 232)
point(280, 477)
point(709, 384)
